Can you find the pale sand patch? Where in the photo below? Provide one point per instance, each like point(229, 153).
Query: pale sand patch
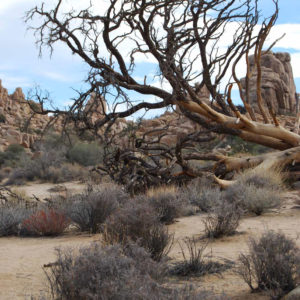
point(42, 190)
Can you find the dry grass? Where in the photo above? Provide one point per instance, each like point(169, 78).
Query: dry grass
point(162, 190)
point(273, 178)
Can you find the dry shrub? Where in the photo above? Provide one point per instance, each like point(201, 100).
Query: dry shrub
point(46, 222)
point(253, 199)
point(257, 191)
point(137, 221)
point(11, 216)
point(4, 173)
point(272, 264)
point(14, 208)
point(114, 272)
point(222, 220)
point(167, 202)
point(48, 167)
point(202, 194)
point(90, 209)
point(65, 172)
point(195, 261)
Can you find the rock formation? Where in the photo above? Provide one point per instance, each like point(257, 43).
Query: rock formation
point(15, 114)
point(95, 107)
point(278, 86)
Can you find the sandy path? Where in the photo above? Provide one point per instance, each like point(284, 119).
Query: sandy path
point(21, 259)
point(42, 190)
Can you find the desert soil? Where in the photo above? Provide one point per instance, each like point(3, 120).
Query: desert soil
point(21, 259)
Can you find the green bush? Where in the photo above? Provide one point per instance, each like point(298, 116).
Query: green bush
point(85, 154)
point(240, 146)
point(12, 155)
point(2, 118)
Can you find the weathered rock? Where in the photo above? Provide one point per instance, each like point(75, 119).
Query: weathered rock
point(293, 295)
point(278, 86)
point(95, 107)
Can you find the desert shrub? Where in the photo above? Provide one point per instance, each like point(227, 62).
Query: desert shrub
point(114, 272)
point(11, 156)
point(271, 264)
point(85, 154)
point(202, 194)
point(11, 216)
point(52, 140)
point(2, 118)
point(3, 175)
point(195, 262)
point(137, 221)
point(46, 222)
point(66, 172)
point(167, 202)
point(253, 199)
point(90, 209)
point(222, 220)
point(46, 169)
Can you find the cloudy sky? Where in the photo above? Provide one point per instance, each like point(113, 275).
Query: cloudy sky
point(20, 65)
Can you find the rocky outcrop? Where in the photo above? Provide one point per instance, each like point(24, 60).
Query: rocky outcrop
point(173, 125)
point(278, 86)
point(15, 113)
point(19, 125)
point(95, 107)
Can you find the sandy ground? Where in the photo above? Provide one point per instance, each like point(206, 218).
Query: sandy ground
point(44, 190)
point(21, 259)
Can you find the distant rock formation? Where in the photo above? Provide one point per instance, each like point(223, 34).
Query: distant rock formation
point(15, 113)
point(95, 107)
point(18, 124)
point(278, 86)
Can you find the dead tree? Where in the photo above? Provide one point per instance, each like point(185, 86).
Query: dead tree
point(186, 41)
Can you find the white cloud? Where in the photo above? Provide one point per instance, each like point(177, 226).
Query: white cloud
point(291, 40)
point(11, 82)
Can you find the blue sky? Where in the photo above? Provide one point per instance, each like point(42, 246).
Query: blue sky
point(20, 65)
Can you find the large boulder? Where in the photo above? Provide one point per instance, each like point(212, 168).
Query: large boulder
point(278, 86)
